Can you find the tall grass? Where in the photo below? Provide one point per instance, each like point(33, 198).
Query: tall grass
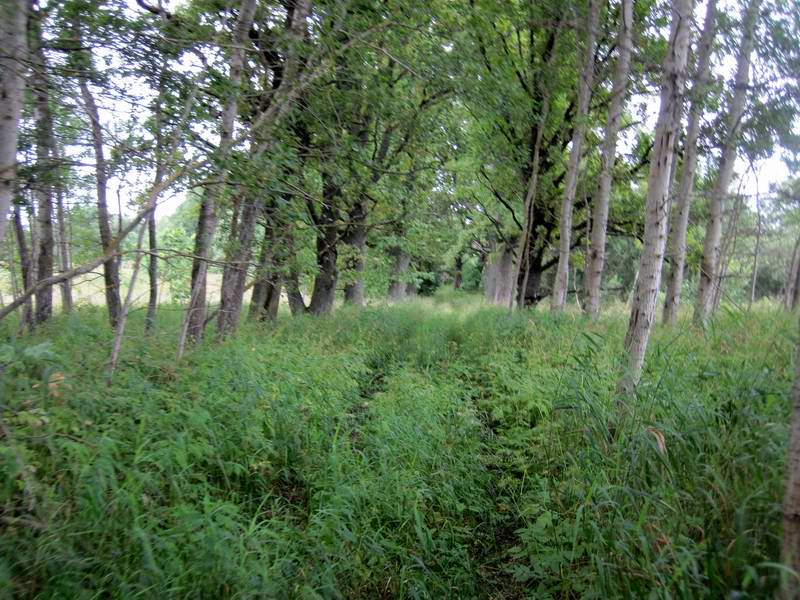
point(437, 449)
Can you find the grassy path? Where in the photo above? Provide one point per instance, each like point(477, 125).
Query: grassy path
point(417, 452)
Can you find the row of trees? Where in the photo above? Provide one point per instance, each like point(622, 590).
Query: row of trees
point(311, 137)
point(339, 146)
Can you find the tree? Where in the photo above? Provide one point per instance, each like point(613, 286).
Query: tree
point(194, 320)
point(13, 49)
point(585, 82)
point(47, 175)
point(680, 219)
point(594, 272)
point(82, 63)
point(645, 295)
point(709, 268)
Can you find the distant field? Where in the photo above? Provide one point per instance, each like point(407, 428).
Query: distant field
point(88, 289)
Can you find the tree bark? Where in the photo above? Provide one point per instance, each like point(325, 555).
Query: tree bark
point(680, 217)
point(356, 238)
point(397, 283)
point(643, 308)
point(110, 266)
point(709, 269)
point(297, 305)
point(265, 299)
point(63, 252)
point(194, 320)
point(13, 50)
point(152, 274)
point(756, 254)
point(458, 268)
point(235, 272)
point(790, 551)
point(25, 267)
point(499, 276)
point(324, 290)
point(792, 278)
point(46, 171)
point(152, 234)
point(585, 82)
point(597, 249)
point(727, 252)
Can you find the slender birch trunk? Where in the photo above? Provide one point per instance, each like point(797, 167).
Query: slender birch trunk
point(46, 172)
point(680, 217)
point(597, 251)
point(585, 83)
point(111, 265)
point(709, 269)
point(727, 252)
point(13, 49)
point(756, 254)
point(152, 233)
point(63, 251)
point(645, 295)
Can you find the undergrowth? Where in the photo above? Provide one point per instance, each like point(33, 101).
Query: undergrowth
point(432, 450)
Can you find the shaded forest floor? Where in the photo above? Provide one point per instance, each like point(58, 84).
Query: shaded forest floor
point(431, 450)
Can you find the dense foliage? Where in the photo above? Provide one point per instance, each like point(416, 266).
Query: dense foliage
point(441, 449)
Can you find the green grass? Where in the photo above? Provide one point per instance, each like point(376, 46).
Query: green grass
point(432, 450)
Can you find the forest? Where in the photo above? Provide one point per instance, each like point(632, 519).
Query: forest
point(348, 299)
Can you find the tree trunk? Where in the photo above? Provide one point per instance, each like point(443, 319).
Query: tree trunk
point(152, 274)
point(458, 272)
point(756, 254)
point(727, 252)
point(792, 278)
point(25, 268)
point(297, 305)
point(529, 225)
point(13, 51)
point(531, 294)
point(790, 551)
point(324, 291)
point(63, 252)
point(643, 308)
point(235, 272)
point(356, 238)
point(506, 276)
point(680, 217)
point(397, 283)
point(266, 295)
point(46, 171)
point(33, 229)
point(597, 250)
point(12, 269)
point(571, 182)
point(152, 234)
point(110, 266)
point(709, 269)
point(194, 320)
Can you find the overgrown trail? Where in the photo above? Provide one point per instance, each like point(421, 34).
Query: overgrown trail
point(423, 451)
